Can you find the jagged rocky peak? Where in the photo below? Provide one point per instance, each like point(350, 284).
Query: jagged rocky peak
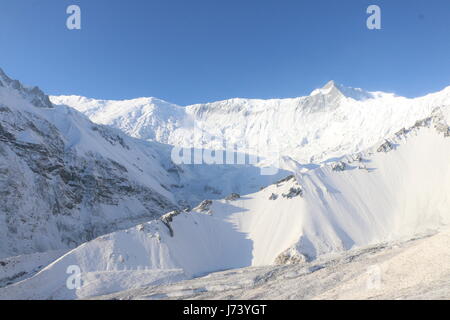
point(334, 89)
point(35, 95)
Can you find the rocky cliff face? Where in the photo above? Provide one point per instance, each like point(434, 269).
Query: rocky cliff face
point(65, 180)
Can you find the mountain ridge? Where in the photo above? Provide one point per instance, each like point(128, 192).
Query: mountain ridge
point(303, 128)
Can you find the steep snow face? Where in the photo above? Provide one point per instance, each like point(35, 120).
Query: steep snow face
point(151, 118)
point(333, 121)
point(65, 180)
point(394, 191)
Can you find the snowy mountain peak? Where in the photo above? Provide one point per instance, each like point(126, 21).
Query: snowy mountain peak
point(32, 94)
point(334, 89)
point(2, 73)
point(330, 84)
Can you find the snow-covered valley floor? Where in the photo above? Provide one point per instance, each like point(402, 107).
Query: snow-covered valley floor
point(415, 269)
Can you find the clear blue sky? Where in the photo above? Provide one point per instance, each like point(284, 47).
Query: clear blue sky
point(190, 51)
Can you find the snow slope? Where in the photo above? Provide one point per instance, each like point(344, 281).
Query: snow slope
point(420, 271)
point(14, 269)
point(393, 191)
point(416, 269)
point(333, 121)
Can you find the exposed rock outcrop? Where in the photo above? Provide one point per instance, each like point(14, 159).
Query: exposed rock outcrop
point(338, 166)
point(232, 197)
point(385, 147)
point(204, 207)
point(293, 192)
point(290, 256)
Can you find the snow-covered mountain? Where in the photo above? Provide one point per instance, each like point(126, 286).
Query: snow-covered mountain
point(391, 192)
point(357, 169)
point(332, 122)
point(65, 180)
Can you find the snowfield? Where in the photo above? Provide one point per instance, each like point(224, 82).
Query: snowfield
point(358, 208)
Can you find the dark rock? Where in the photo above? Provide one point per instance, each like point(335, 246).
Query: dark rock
point(338, 166)
point(204, 206)
point(385, 147)
point(168, 218)
point(273, 196)
point(293, 192)
point(232, 197)
point(288, 178)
